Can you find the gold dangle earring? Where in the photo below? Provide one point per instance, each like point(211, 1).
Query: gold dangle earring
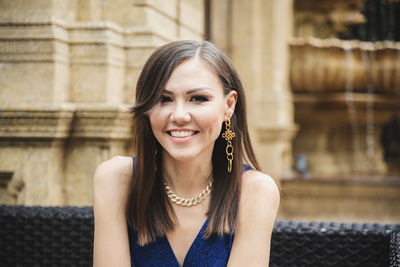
point(228, 135)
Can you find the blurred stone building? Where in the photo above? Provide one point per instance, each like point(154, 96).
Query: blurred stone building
point(317, 103)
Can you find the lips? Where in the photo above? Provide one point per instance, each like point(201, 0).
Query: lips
point(182, 133)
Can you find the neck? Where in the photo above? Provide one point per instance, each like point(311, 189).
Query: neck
point(187, 178)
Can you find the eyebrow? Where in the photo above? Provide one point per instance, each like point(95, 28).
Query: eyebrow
point(195, 90)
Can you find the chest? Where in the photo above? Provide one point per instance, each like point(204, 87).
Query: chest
point(212, 251)
point(190, 221)
point(185, 245)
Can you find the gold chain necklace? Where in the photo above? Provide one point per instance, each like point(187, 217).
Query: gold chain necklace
point(187, 202)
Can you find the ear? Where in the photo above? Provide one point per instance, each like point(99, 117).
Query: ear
point(230, 100)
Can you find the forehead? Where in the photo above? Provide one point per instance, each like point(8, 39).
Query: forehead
point(193, 73)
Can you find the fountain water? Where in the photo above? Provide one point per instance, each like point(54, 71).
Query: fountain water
point(360, 80)
point(351, 109)
point(346, 98)
point(368, 58)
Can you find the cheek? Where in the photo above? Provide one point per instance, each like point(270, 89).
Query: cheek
point(211, 122)
point(156, 121)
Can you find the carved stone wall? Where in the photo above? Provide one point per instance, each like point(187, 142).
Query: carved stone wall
point(68, 71)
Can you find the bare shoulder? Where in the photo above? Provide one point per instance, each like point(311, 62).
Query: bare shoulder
point(257, 184)
point(258, 208)
point(111, 180)
point(115, 170)
point(110, 191)
point(260, 192)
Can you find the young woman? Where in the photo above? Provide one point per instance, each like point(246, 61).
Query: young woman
point(187, 198)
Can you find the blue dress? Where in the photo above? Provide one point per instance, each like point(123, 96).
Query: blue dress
point(213, 251)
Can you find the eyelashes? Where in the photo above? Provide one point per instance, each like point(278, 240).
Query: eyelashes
point(164, 99)
point(196, 98)
point(199, 98)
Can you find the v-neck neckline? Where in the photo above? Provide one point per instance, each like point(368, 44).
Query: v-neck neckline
point(171, 251)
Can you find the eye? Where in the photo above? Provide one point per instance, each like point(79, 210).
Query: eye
point(164, 99)
point(199, 98)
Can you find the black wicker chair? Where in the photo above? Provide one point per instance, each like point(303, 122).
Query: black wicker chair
point(63, 236)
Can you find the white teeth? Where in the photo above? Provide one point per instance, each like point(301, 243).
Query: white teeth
point(182, 133)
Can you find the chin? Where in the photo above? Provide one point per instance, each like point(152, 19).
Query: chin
point(182, 157)
point(186, 155)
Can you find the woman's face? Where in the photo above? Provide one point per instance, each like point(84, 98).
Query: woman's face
point(188, 118)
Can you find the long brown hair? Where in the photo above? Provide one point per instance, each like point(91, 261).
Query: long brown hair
point(148, 209)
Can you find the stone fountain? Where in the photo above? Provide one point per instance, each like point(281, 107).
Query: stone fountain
point(347, 105)
point(357, 86)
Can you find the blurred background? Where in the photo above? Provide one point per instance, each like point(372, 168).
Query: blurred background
point(322, 80)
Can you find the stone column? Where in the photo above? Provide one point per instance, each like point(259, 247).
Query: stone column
point(68, 71)
point(255, 34)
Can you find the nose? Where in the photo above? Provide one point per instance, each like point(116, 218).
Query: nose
point(180, 114)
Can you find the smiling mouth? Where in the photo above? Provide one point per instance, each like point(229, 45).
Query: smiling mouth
point(182, 134)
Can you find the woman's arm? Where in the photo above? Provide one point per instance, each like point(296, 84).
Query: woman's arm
point(258, 208)
point(110, 190)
